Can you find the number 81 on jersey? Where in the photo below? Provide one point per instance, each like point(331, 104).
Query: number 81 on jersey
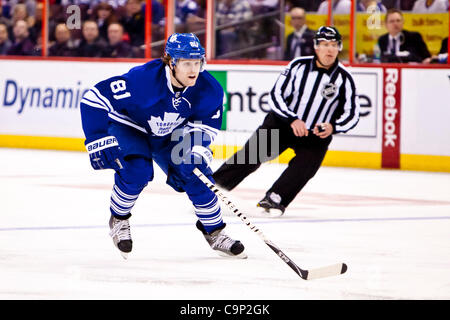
point(119, 86)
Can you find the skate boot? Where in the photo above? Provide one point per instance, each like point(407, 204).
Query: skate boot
point(120, 233)
point(222, 243)
point(271, 205)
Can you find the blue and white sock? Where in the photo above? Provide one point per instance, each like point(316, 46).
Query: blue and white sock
point(122, 203)
point(209, 214)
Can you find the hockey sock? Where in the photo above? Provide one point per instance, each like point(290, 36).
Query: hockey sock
point(122, 203)
point(209, 214)
point(123, 198)
point(129, 182)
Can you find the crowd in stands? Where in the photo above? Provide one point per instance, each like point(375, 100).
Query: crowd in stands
point(116, 28)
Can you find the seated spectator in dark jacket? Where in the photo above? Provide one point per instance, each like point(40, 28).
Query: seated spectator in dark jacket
point(91, 45)
point(117, 48)
point(104, 15)
point(442, 57)
point(400, 45)
point(22, 45)
point(5, 43)
point(63, 47)
point(443, 53)
point(300, 42)
point(134, 22)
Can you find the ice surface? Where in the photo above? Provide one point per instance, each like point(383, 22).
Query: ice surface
point(391, 227)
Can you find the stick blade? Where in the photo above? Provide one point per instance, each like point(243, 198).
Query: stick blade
point(328, 271)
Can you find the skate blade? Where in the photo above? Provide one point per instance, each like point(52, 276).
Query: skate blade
point(124, 255)
point(241, 255)
point(269, 213)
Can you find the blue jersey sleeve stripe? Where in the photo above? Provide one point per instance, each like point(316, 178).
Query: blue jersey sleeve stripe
point(203, 127)
point(102, 98)
point(93, 104)
point(212, 132)
point(126, 122)
point(91, 96)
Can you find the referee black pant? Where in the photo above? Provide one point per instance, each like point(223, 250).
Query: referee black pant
point(272, 138)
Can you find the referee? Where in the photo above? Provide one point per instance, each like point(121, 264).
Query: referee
point(313, 98)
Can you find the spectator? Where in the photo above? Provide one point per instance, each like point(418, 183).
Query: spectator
point(308, 5)
point(104, 15)
point(443, 53)
point(399, 45)
point(444, 46)
point(22, 45)
point(117, 48)
point(300, 42)
point(91, 45)
point(134, 22)
point(5, 43)
point(430, 6)
point(269, 31)
point(30, 5)
point(263, 6)
point(157, 12)
point(63, 47)
point(442, 57)
point(370, 6)
point(232, 11)
point(339, 7)
point(35, 25)
point(185, 9)
point(19, 12)
point(3, 16)
point(25, 11)
point(404, 5)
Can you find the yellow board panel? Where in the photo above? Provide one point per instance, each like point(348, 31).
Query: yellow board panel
point(425, 162)
point(46, 143)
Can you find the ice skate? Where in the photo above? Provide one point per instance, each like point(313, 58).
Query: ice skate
point(120, 233)
point(222, 243)
point(271, 206)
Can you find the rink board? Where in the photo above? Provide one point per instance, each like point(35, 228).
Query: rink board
point(402, 122)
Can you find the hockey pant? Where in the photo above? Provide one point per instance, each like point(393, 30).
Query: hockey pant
point(139, 154)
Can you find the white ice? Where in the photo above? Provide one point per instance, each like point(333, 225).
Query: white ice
point(391, 227)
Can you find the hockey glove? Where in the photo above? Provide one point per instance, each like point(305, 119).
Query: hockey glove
point(198, 157)
point(104, 153)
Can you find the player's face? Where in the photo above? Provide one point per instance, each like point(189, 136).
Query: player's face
point(187, 71)
point(327, 52)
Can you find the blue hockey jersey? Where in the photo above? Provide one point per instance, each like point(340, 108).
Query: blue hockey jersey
point(144, 99)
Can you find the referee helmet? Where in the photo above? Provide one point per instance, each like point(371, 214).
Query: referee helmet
point(327, 33)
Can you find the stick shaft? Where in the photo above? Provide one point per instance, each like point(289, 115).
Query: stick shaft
point(302, 273)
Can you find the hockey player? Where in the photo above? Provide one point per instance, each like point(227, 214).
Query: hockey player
point(168, 111)
point(312, 99)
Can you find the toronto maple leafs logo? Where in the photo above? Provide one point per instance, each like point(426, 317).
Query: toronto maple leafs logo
point(162, 127)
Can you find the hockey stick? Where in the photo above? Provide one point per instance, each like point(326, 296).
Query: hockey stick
point(328, 271)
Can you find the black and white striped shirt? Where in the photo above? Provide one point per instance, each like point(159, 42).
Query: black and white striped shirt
point(316, 95)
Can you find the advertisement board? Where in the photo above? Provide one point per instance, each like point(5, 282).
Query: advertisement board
point(402, 124)
point(42, 98)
